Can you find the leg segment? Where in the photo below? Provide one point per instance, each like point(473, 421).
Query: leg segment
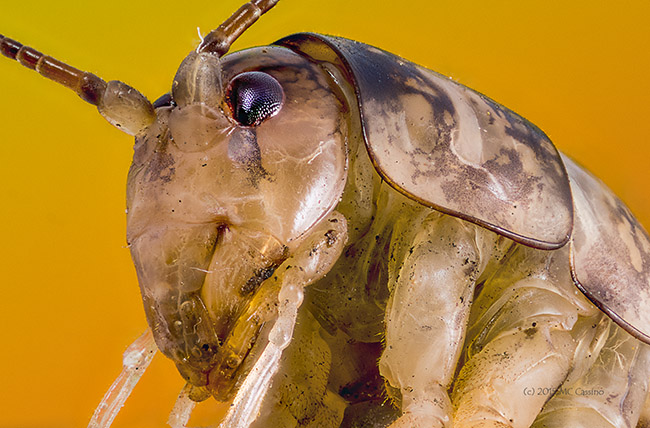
point(503, 385)
point(521, 341)
point(609, 393)
point(427, 314)
point(298, 396)
point(282, 296)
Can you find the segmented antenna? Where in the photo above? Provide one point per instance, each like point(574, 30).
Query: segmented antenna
point(88, 86)
point(219, 41)
point(120, 104)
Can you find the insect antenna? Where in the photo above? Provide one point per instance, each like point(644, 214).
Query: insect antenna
point(218, 41)
point(88, 86)
point(123, 106)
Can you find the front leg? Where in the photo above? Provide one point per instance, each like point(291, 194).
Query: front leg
point(279, 297)
point(427, 315)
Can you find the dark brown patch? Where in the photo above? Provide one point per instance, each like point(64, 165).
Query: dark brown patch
point(160, 167)
point(259, 276)
point(530, 332)
point(244, 150)
point(610, 261)
point(164, 100)
point(330, 235)
point(529, 203)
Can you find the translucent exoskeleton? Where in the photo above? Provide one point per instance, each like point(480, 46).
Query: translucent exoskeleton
point(386, 252)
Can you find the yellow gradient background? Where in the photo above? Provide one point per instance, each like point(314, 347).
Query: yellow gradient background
point(69, 301)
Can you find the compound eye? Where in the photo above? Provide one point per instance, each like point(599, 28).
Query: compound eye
point(254, 97)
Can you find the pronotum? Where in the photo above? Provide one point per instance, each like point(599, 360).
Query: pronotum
point(593, 97)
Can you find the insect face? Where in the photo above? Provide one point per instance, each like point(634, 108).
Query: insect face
point(215, 205)
point(582, 77)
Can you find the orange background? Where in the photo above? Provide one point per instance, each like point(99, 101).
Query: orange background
point(69, 301)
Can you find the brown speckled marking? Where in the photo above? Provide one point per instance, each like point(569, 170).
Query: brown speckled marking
point(244, 149)
point(610, 253)
point(161, 167)
point(454, 149)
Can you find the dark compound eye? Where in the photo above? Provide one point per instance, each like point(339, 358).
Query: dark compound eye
point(164, 101)
point(254, 97)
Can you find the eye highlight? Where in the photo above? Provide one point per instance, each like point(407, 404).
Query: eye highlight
point(254, 97)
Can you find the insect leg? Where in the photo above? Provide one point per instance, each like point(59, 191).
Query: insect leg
point(427, 315)
point(507, 383)
point(612, 391)
point(299, 394)
point(521, 340)
point(310, 262)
